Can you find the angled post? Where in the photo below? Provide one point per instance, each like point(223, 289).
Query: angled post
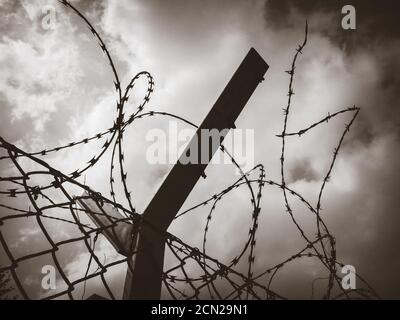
point(106, 217)
point(144, 275)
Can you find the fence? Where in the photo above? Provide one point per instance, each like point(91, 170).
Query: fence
point(212, 279)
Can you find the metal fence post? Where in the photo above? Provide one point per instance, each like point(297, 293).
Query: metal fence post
point(144, 277)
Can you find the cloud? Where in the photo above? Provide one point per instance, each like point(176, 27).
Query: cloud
point(59, 87)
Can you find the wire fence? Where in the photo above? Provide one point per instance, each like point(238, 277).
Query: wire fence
point(193, 274)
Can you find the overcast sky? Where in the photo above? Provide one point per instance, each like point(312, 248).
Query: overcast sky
point(57, 87)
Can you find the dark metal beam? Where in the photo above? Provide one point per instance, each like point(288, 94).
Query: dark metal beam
point(146, 279)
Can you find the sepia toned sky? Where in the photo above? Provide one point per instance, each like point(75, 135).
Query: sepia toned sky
point(57, 87)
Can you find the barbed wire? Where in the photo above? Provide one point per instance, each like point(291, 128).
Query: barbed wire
point(215, 279)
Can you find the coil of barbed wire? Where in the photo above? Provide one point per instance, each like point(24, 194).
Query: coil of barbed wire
point(249, 285)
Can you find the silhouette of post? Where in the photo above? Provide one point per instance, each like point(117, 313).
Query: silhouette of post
point(147, 265)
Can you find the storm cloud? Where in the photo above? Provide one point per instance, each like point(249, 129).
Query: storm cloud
point(56, 87)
